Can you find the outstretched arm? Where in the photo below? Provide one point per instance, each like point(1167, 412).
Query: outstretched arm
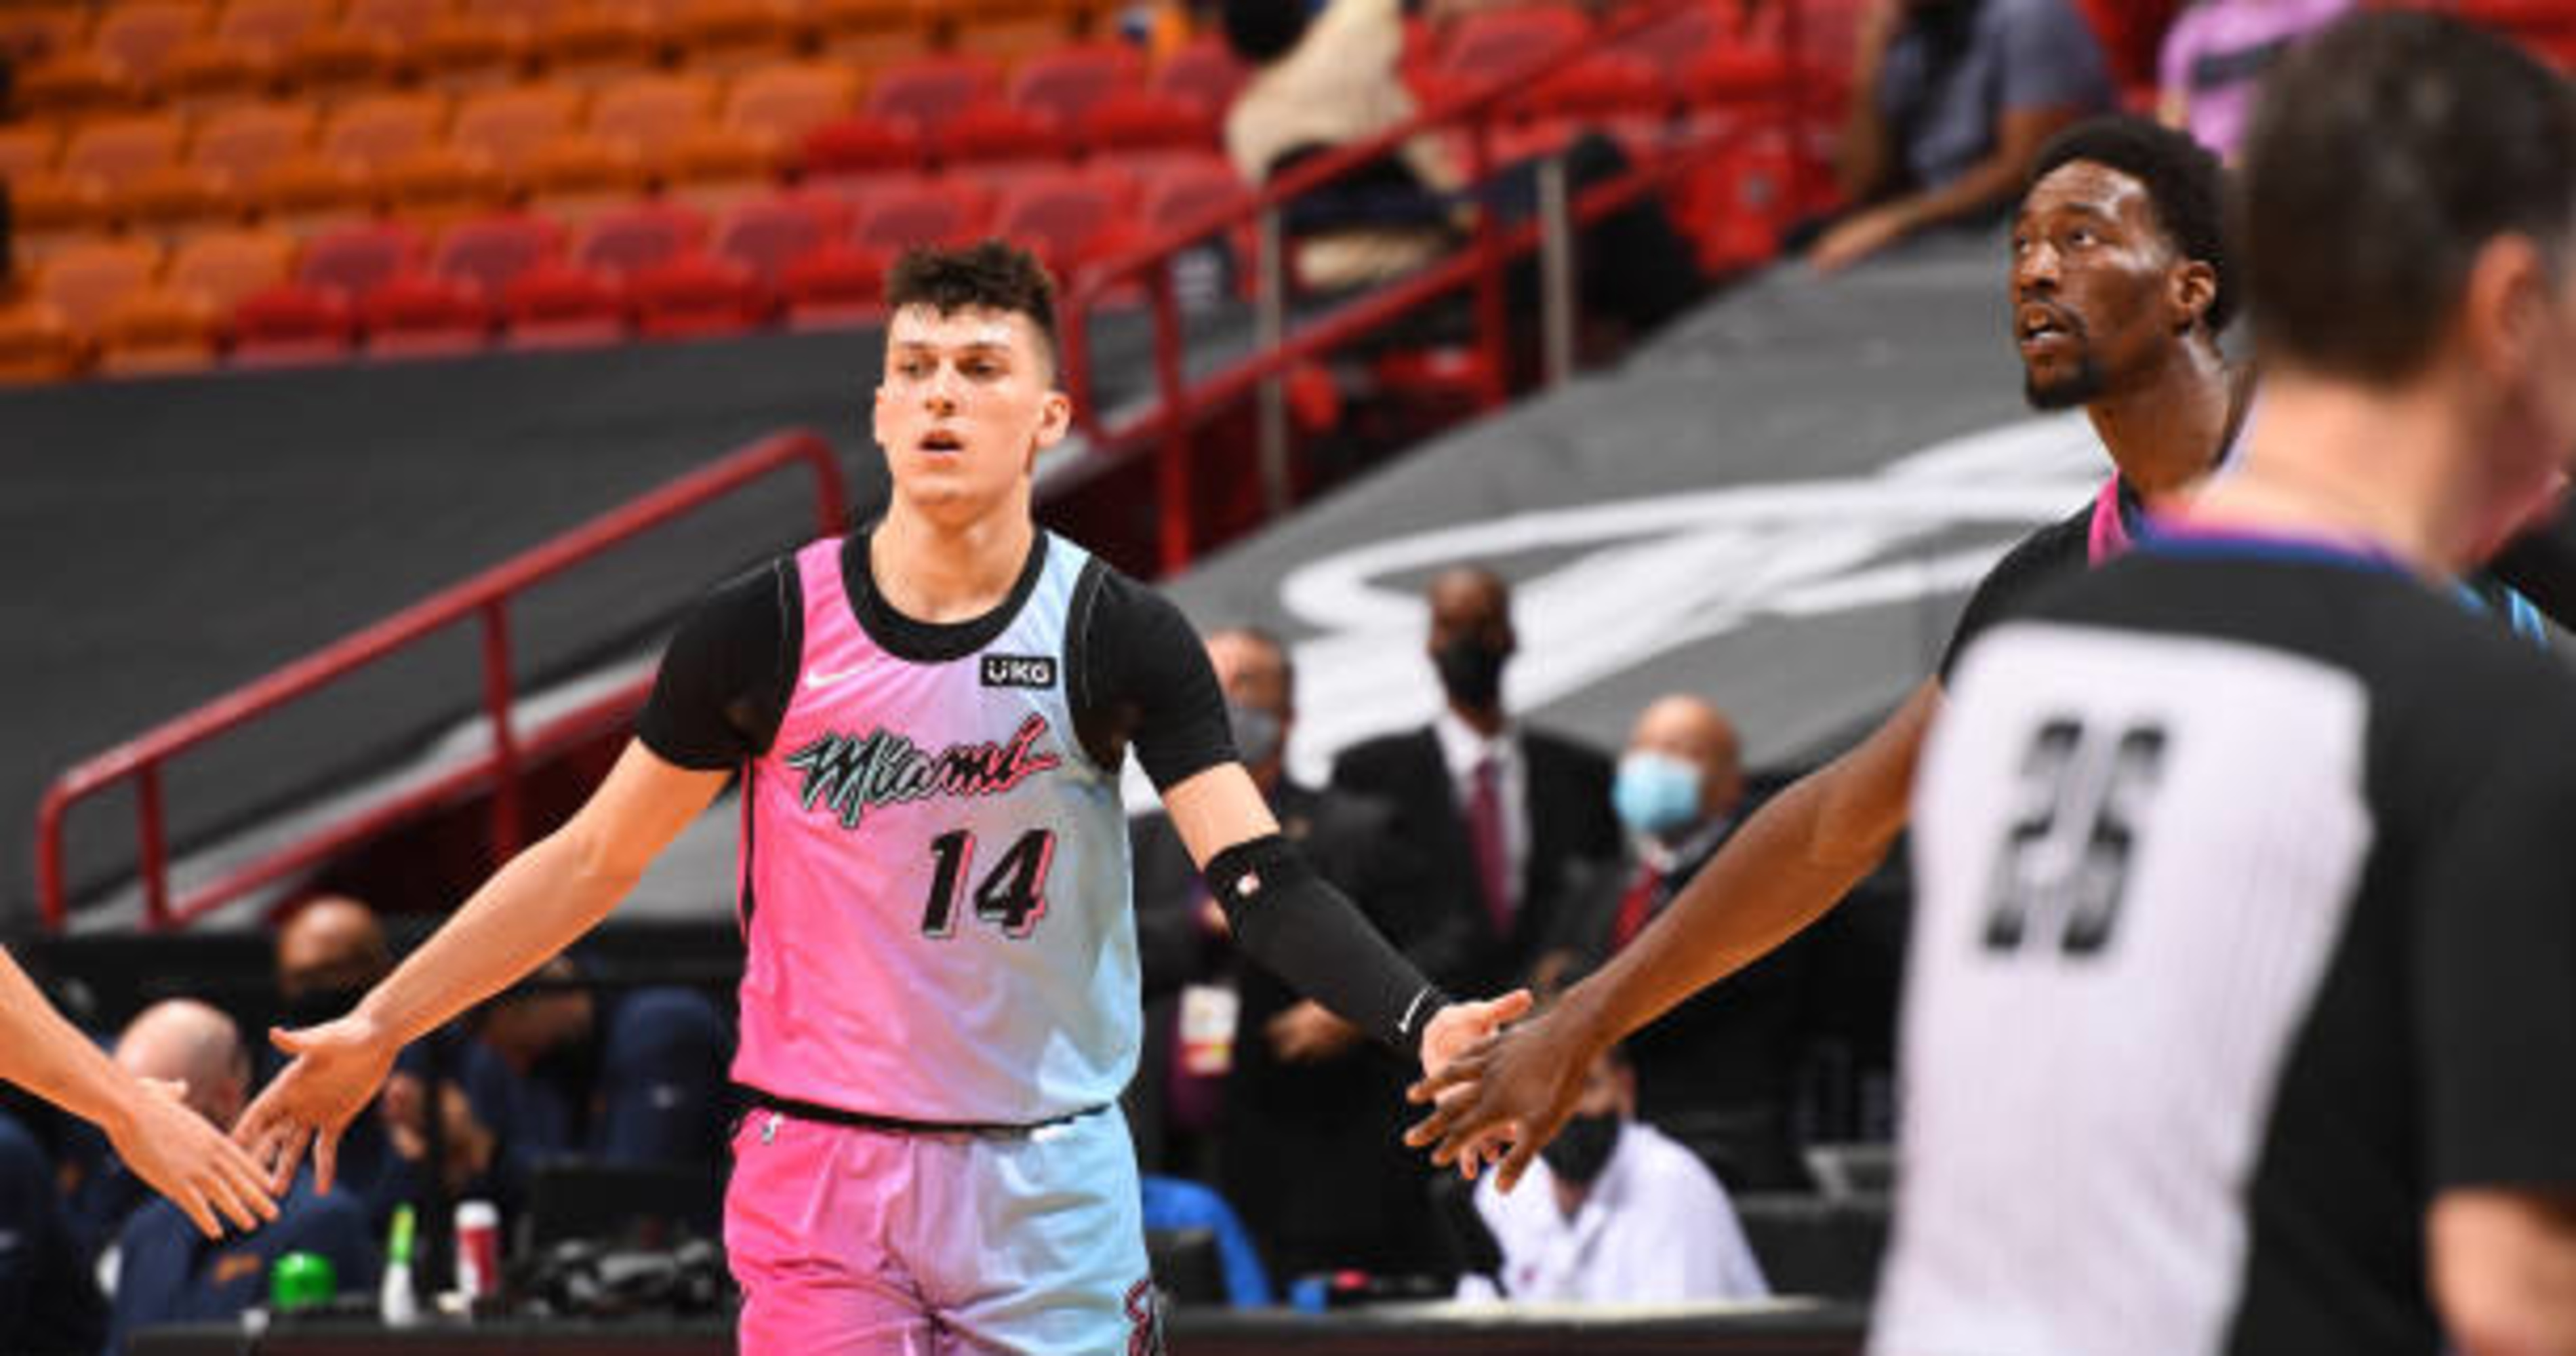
point(1293, 922)
point(535, 906)
point(165, 1142)
point(1794, 859)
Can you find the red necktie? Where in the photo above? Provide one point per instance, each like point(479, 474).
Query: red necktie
point(1485, 831)
point(1635, 906)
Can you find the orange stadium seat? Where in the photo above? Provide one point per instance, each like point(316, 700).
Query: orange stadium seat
point(378, 130)
point(34, 30)
point(436, 185)
point(577, 176)
point(491, 252)
point(725, 36)
point(789, 101)
point(243, 55)
point(37, 343)
point(425, 315)
point(834, 287)
point(83, 279)
point(158, 330)
point(465, 52)
point(638, 237)
point(28, 148)
point(375, 42)
point(930, 91)
point(230, 265)
point(531, 15)
point(50, 209)
point(237, 147)
point(292, 324)
point(695, 295)
point(309, 192)
point(562, 305)
point(1147, 120)
point(1008, 29)
point(139, 39)
point(716, 166)
point(508, 125)
point(869, 34)
point(652, 114)
point(1069, 82)
point(116, 151)
point(921, 211)
point(74, 84)
point(1204, 72)
point(404, 21)
point(174, 202)
point(767, 235)
point(355, 260)
point(596, 45)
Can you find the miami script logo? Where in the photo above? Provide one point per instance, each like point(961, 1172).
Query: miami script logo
point(851, 773)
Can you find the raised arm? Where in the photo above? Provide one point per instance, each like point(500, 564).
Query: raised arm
point(155, 1134)
point(535, 906)
point(1793, 860)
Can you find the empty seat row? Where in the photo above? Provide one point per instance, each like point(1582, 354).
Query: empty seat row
point(195, 54)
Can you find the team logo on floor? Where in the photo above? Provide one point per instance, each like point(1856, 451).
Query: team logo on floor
point(849, 774)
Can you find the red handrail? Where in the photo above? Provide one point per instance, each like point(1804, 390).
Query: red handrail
point(486, 596)
point(1480, 262)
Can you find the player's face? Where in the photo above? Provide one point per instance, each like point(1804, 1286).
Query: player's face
point(2099, 293)
point(967, 401)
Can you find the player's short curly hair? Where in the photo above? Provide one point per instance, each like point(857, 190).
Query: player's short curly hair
point(991, 275)
point(2186, 184)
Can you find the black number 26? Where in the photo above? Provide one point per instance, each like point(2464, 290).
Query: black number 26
point(1013, 895)
point(2065, 860)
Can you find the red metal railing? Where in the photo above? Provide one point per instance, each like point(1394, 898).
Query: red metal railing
point(485, 597)
point(1180, 405)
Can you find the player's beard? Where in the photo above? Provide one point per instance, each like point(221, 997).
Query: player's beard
point(2080, 387)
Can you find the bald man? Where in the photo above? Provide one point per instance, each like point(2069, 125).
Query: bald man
point(1503, 811)
point(166, 1272)
point(328, 953)
point(1717, 1072)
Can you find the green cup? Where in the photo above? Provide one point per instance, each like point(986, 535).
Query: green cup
point(301, 1280)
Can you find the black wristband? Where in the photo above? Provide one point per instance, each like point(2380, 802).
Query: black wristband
point(1301, 929)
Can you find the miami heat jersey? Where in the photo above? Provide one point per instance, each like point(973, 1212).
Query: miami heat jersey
point(934, 875)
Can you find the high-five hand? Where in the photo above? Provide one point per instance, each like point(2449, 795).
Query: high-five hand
point(338, 1067)
point(184, 1157)
point(1515, 1088)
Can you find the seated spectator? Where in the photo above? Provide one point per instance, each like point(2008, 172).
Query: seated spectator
point(1719, 1072)
point(1614, 1212)
point(49, 1299)
point(1951, 100)
point(2216, 55)
point(168, 1272)
point(1325, 77)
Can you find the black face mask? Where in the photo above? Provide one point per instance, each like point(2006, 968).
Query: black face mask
point(1470, 672)
point(1582, 1149)
point(313, 1007)
point(572, 1066)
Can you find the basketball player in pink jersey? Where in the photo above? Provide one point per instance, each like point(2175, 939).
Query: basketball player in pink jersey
point(941, 1001)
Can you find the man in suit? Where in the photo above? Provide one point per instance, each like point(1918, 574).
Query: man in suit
point(1502, 811)
point(1310, 1112)
point(1718, 1072)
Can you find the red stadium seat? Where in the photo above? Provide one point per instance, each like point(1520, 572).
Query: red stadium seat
point(1063, 218)
point(697, 295)
point(993, 133)
point(930, 91)
point(836, 287)
point(1069, 82)
point(1491, 43)
point(423, 315)
point(920, 212)
point(770, 234)
point(491, 252)
point(1147, 120)
point(847, 155)
point(1205, 73)
point(1184, 190)
point(640, 237)
point(563, 306)
point(292, 324)
point(1677, 39)
point(355, 260)
point(1603, 85)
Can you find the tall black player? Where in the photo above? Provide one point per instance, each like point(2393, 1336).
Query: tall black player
point(2239, 1017)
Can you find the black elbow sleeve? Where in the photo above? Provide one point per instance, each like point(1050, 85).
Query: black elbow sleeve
point(1296, 925)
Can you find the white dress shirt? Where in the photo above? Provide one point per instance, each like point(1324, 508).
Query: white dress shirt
point(1657, 1228)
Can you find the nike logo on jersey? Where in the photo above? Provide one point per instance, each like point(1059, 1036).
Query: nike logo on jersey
point(816, 679)
point(849, 774)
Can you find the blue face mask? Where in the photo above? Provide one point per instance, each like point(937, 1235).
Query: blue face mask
point(1655, 794)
